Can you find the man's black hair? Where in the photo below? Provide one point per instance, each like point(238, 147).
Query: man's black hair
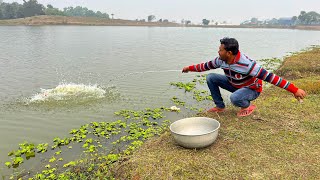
point(230, 44)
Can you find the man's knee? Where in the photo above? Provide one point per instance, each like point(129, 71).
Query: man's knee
point(235, 99)
point(212, 78)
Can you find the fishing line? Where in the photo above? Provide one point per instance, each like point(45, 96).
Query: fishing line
point(142, 72)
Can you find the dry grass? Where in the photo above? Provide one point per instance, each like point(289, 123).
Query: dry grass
point(280, 141)
point(302, 65)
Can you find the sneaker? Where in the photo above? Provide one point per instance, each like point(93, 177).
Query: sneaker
point(246, 111)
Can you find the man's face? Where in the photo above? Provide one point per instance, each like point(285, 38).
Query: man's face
point(224, 55)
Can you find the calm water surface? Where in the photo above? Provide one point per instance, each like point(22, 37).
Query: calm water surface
point(55, 78)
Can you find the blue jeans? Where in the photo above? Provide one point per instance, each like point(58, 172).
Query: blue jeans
point(239, 97)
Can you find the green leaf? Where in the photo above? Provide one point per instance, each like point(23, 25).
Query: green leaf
point(71, 163)
point(53, 159)
point(40, 176)
point(17, 153)
point(11, 153)
point(8, 164)
point(30, 154)
point(58, 152)
point(85, 145)
point(17, 160)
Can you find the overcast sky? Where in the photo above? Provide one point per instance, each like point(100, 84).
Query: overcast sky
point(232, 11)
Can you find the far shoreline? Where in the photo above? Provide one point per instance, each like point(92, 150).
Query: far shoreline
point(93, 21)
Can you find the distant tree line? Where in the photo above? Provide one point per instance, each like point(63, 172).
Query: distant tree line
point(33, 8)
point(305, 18)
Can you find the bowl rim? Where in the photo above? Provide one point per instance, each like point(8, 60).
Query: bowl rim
point(195, 134)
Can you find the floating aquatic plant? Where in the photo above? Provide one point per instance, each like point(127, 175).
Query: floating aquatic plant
point(137, 127)
point(127, 134)
point(271, 64)
point(177, 101)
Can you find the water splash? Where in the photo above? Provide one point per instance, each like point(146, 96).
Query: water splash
point(67, 92)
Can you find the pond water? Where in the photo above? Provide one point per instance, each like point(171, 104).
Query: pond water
point(55, 78)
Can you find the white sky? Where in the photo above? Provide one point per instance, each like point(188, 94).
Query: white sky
point(232, 11)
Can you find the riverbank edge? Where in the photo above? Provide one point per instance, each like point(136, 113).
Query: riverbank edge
point(45, 20)
point(280, 140)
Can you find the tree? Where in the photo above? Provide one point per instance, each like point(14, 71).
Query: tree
point(102, 15)
point(17, 9)
point(50, 10)
point(11, 11)
point(8, 12)
point(151, 18)
point(314, 17)
point(79, 11)
point(294, 19)
point(187, 22)
point(205, 22)
point(99, 14)
point(83, 11)
point(302, 17)
point(254, 20)
point(90, 13)
point(32, 8)
point(105, 15)
point(311, 17)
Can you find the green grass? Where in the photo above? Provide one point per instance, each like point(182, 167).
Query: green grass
point(281, 140)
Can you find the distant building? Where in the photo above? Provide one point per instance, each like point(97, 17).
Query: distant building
point(246, 22)
point(253, 22)
point(286, 21)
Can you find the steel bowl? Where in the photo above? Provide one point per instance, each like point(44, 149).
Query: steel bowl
point(195, 132)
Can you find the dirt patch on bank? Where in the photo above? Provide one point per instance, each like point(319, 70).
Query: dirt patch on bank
point(94, 21)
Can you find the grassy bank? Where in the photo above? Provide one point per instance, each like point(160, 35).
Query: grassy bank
point(280, 140)
point(94, 21)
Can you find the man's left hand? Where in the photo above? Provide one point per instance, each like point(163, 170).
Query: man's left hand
point(300, 94)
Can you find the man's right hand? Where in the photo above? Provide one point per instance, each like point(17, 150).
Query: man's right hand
point(185, 69)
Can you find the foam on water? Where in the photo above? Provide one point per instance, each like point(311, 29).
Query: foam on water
point(71, 91)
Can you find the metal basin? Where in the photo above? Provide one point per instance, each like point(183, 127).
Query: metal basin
point(195, 132)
